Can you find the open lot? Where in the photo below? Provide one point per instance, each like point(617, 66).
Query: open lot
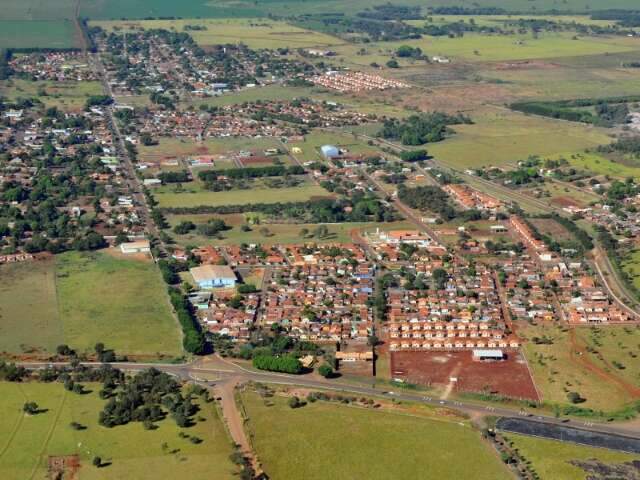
point(26, 442)
point(121, 303)
point(278, 233)
point(500, 137)
point(29, 318)
point(68, 96)
point(253, 32)
point(557, 370)
point(509, 377)
point(315, 437)
point(552, 459)
point(194, 195)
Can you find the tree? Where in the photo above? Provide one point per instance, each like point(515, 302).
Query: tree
point(97, 462)
point(295, 402)
point(31, 408)
point(325, 370)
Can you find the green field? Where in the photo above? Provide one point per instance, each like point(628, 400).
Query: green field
point(599, 165)
point(194, 195)
point(500, 137)
point(550, 458)
point(253, 32)
point(121, 303)
point(116, 9)
point(26, 442)
point(37, 34)
point(556, 372)
point(171, 148)
point(28, 307)
point(615, 349)
point(277, 233)
point(69, 96)
point(83, 298)
point(324, 440)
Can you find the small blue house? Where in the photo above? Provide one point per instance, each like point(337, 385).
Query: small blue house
point(214, 276)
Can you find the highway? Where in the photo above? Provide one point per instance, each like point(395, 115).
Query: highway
point(225, 371)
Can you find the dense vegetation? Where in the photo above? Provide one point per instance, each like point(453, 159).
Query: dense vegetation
point(607, 111)
point(422, 128)
point(284, 364)
point(428, 198)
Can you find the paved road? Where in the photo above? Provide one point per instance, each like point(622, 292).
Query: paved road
point(226, 371)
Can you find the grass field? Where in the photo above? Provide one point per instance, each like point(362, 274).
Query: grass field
point(615, 349)
point(325, 440)
point(121, 303)
point(278, 233)
point(599, 165)
point(550, 458)
point(631, 265)
point(37, 34)
point(28, 307)
point(194, 195)
point(169, 148)
point(255, 33)
point(27, 441)
point(556, 372)
point(69, 96)
point(500, 137)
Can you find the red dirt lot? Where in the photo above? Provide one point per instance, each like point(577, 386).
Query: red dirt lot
point(509, 377)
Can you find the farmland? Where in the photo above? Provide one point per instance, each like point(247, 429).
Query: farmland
point(255, 33)
point(314, 437)
point(551, 459)
point(130, 450)
point(37, 309)
point(118, 302)
point(37, 34)
point(499, 137)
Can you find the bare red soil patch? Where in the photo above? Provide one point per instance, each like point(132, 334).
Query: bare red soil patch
point(509, 377)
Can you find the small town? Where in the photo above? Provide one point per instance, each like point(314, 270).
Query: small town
point(237, 238)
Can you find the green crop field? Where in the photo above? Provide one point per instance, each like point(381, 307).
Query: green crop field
point(70, 96)
point(28, 308)
point(551, 459)
point(255, 33)
point(26, 442)
point(121, 303)
point(325, 439)
point(37, 34)
point(500, 137)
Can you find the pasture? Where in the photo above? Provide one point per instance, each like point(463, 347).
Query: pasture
point(119, 302)
point(67, 96)
point(255, 33)
point(615, 349)
point(315, 439)
point(556, 371)
point(275, 233)
point(599, 164)
point(193, 195)
point(26, 442)
point(29, 318)
point(500, 137)
point(551, 458)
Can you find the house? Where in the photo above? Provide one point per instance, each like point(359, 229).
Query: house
point(140, 246)
point(213, 276)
